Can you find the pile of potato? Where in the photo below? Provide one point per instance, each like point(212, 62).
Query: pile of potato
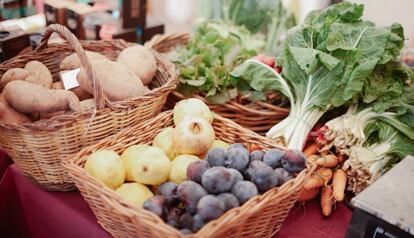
point(29, 94)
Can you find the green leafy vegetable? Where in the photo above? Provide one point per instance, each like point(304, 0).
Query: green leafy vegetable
point(205, 63)
point(268, 17)
point(326, 63)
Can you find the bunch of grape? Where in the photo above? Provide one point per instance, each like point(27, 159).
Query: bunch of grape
point(223, 180)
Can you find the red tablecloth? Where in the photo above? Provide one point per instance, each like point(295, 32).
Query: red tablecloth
point(28, 211)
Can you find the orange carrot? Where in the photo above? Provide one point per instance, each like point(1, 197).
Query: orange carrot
point(326, 200)
point(321, 177)
point(328, 161)
point(308, 194)
point(338, 184)
point(311, 149)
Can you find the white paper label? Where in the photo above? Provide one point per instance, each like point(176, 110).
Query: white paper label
point(69, 79)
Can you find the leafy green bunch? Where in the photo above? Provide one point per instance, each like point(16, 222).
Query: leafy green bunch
point(213, 52)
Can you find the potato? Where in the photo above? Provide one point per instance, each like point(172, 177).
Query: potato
point(13, 74)
point(9, 115)
point(40, 73)
point(26, 97)
point(140, 60)
point(118, 82)
point(58, 85)
point(82, 94)
point(72, 61)
point(87, 104)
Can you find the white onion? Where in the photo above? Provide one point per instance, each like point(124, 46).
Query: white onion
point(191, 107)
point(194, 135)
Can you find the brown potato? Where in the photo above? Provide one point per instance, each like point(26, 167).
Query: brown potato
point(9, 115)
point(58, 85)
point(141, 61)
point(118, 82)
point(13, 74)
point(87, 104)
point(26, 97)
point(72, 61)
point(40, 74)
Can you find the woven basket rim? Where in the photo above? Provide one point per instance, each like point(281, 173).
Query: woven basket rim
point(61, 121)
point(128, 209)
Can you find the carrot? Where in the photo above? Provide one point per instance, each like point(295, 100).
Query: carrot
point(338, 184)
point(326, 200)
point(321, 177)
point(328, 161)
point(311, 149)
point(308, 194)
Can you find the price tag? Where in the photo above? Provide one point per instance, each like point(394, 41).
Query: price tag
point(69, 79)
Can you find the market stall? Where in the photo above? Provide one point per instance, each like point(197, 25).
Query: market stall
point(262, 121)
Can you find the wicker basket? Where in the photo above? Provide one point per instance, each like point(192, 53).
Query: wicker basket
point(38, 148)
point(257, 116)
point(261, 216)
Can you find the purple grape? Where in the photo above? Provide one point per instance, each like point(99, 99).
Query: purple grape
point(217, 180)
point(229, 200)
point(198, 223)
point(236, 145)
point(196, 170)
point(216, 157)
point(156, 205)
point(264, 179)
point(210, 207)
point(237, 158)
point(283, 175)
point(255, 164)
point(173, 217)
point(186, 220)
point(256, 155)
point(190, 193)
point(273, 158)
point(169, 191)
point(294, 161)
point(236, 174)
point(244, 190)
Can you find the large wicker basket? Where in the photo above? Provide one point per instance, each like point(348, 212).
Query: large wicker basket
point(257, 116)
point(261, 216)
point(38, 148)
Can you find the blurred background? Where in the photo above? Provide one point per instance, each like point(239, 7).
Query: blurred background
point(139, 20)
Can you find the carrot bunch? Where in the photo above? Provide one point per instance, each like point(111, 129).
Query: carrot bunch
point(329, 179)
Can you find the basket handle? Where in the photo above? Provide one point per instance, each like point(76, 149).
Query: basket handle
point(74, 43)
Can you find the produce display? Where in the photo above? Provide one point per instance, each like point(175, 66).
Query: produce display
point(188, 178)
point(332, 62)
point(30, 94)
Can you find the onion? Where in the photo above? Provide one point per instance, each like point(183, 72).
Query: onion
point(194, 135)
point(107, 167)
point(191, 107)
